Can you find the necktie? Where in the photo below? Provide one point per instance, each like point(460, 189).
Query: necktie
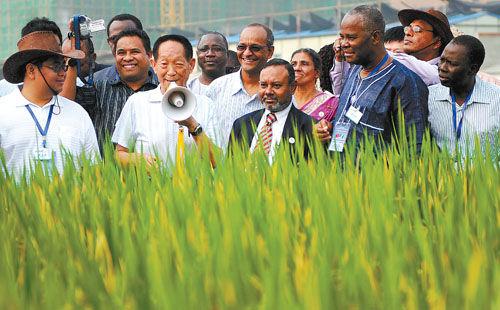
point(266, 132)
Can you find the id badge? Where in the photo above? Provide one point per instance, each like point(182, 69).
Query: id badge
point(354, 114)
point(43, 154)
point(339, 136)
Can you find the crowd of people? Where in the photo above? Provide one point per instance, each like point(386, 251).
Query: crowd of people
point(56, 100)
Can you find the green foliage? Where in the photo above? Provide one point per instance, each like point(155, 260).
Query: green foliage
point(388, 231)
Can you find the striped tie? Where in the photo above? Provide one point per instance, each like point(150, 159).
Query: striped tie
point(266, 132)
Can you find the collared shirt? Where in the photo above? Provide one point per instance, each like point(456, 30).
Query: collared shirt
point(108, 96)
point(230, 101)
point(70, 128)
point(143, 128)
point(481, 116)
point(6, 87)
point(378, 97)
point(197, 87)
point(277, 128)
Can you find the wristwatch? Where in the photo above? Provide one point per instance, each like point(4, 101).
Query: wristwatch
point(197, 131)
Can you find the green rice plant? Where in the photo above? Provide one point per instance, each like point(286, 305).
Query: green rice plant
point(391, 230)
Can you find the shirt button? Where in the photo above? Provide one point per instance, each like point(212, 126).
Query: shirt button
point(321, 114)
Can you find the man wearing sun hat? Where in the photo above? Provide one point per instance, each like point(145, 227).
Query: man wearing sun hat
point(36, 124)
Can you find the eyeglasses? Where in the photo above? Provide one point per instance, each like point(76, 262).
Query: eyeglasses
point(254, 48)
point(215, 49)
point(415, 29)
point(57, 67)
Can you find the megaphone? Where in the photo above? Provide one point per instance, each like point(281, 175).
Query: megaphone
point(178, 103)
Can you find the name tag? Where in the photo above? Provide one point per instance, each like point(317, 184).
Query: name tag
point(354, 114)
point(43, 154)
point(339, 137)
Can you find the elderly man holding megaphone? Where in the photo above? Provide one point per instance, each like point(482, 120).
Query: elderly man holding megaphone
point(158, 124)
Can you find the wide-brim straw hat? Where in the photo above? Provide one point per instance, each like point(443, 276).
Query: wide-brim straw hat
point(437, 19)
point(32, 46)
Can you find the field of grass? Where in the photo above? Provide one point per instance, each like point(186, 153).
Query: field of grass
point(387, 232)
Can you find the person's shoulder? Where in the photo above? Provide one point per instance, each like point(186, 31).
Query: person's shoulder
point(300, 116)
point(225, 79)
point(487, 91)
point(249, 116)
point(405, 75)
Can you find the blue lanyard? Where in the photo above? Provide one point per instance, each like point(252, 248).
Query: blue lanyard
point(47, 124)
point(458, 129)
point(380, 64)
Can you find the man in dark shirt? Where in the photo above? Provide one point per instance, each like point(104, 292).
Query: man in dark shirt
point(377, 89)
point(132, 50)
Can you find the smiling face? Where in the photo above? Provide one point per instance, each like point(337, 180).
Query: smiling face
point(132, 60)
point(275, 92)
point(355, 40)
point(171, 65)
point(303, 65)
point(212, 55)
point(252, 50)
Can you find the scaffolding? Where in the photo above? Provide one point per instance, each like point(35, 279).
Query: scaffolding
point(188, 17)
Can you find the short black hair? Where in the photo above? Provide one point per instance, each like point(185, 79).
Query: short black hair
point(122, 17)
point(286, 64)
point(394, 34)
point(188, 48)
point(133, 33)
point(226, 45)
point(269, 32)
point(326, 55)
point(373, 19)
point(475, 49)
point(41, 24)
point(314, 56)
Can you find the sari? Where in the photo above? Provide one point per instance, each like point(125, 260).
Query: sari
point(322, 106)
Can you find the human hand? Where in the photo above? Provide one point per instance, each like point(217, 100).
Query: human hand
point(337, 50)
point(323, 130)
point(190, 123)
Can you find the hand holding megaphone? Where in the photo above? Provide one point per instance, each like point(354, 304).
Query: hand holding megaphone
point(178, 102)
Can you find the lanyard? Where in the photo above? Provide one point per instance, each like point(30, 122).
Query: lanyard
point(47, 124)
point(380, 64)
point(458, 129)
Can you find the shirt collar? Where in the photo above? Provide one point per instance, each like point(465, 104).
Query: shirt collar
point(21, 101)
point(479, 94)
point(114, 77)
point(155, 95)
point(236, 83)
point(281, 114)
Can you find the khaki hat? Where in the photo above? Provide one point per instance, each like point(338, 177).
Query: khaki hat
point(32, 46)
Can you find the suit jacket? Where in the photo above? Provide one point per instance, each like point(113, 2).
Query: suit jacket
point(244, 129)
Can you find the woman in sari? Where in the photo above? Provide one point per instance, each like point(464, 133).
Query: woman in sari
point(310, 100)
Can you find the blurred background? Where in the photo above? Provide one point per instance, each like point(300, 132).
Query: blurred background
point(311, 23)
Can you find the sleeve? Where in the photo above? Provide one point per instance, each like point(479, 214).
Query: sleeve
point(413, 98)
point(123, 134)
point(427, 72)
point(338, 74)
point(91, 146)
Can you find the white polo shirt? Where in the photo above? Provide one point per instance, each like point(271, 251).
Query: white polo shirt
point(143, 127)
point(70, 130)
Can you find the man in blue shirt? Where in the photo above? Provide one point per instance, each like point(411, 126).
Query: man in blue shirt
point(377, 88)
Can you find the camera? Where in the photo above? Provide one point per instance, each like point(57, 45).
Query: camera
point(88, 26)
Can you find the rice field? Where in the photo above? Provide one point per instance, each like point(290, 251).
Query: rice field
point(387, 232)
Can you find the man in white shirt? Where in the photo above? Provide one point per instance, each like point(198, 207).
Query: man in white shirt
point(37, 125)
point(463, 106)
point(279, 120)
point(235, 94)
point(142, 130)
point(212, 56)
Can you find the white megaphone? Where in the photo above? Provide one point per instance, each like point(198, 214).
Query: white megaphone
point(178, 102)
